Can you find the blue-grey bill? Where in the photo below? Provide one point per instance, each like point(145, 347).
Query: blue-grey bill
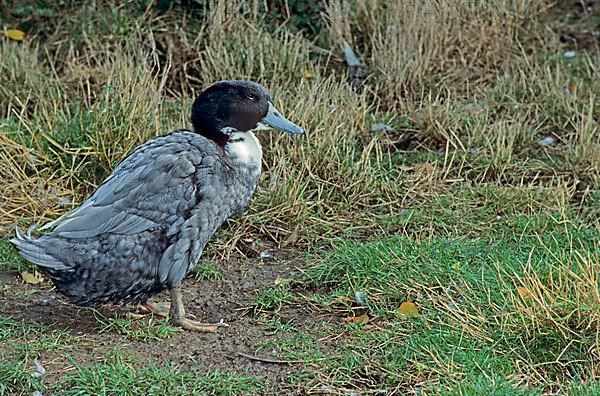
point(276, 120)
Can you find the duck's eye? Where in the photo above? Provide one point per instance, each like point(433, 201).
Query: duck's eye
point(253, 97)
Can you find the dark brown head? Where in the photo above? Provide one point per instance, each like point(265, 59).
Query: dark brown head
point(236, 106)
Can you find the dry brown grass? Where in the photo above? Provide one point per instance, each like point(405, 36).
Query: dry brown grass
point(52, 147)
point(567, 300)
point(418, 48)
point(464, 77)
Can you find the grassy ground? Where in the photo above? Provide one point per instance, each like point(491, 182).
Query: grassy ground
point(478, 202)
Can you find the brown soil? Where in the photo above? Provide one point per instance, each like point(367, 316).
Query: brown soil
point(228, 298)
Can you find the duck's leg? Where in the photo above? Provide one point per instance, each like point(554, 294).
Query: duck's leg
point(177, 315)
point(159, 309)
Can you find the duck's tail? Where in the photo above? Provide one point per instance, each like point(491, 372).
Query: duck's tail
point(35, 249)
point(97, 270)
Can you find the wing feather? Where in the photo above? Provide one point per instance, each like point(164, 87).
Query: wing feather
point(151, 188)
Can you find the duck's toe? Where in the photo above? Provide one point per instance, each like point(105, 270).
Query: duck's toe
point(192, 325)
point(159, 309)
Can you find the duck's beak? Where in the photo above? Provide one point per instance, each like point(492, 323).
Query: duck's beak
point(276, 120)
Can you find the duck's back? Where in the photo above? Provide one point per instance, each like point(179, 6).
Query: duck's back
point(146, 225)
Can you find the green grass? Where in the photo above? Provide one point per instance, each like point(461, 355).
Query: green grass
point(10, 259)
point(585, 389)
point(116, 373)
point(30, 338)
point(120, 374)
point(272, 297)
point(20, 344)
point(474, 332)
point(277, 325)
point(206, 270)
point(145, 329)
point(16, 377)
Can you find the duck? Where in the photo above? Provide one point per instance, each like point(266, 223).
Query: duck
point(145, 227)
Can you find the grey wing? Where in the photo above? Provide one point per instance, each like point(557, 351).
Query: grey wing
point(151, 188)
point(155, 187)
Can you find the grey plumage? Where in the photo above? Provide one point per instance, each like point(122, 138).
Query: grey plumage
point(145, 227)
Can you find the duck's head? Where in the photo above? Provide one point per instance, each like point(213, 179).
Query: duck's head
point(236, 106)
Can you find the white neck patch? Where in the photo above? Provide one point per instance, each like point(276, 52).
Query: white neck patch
point(245, 148)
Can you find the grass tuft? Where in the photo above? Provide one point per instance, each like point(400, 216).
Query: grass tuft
point(119, 373)
point(491, 313)
point(144, 329)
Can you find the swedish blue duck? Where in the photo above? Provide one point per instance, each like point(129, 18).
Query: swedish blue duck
point(145, 227)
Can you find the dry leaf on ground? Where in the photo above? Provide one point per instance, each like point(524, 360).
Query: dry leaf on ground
point(356, 319)
point(523, 292)
point(408, 308)
point(15, 34)
point(32, 278)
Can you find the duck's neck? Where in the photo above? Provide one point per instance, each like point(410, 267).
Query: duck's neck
point(216, 136)
point(244, 148)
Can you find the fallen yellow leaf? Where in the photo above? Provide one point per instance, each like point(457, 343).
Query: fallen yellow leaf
point(308, 74)
point(523, 292)
point(33, 278)
point(281, 281)
point(356, 319)
point(408, 308)
point(15, 34)
point(292, 238)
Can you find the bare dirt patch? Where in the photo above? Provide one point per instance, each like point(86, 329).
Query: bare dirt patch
point(228, 298)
